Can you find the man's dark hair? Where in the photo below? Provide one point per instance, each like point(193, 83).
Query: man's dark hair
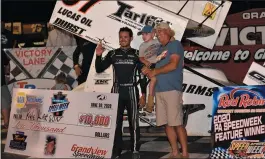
point(51, 139)
point(126, 29)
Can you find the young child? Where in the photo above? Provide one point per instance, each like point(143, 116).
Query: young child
point(148, 54)
point(61, 83)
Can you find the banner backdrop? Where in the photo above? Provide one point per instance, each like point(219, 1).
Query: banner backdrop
point(198, 11)
point(239, 122)
point(241, 41)
point(53, 124)
point(42, 62)
point(101, 20)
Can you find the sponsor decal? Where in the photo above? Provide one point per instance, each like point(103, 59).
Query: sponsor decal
point(50, 146)
point(209, 9)
point(36, 126)
point(257, 77)
point(101, 135)
point(68, 26)
point(101, 105)
point(247, 148)
point(125, 15)
point(124, 61)
point(26, 85)
point(102, 81)
point(59, 104)
point(34, 100)
point(82, 19)
point(22, 100)
point(80, 151)
point(101, 97)
point(102, 75)
point(94, 120)
point(19, 141)
point(241, 97)
point(199, 90)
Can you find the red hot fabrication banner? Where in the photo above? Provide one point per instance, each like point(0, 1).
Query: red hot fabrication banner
point(241, 41)
point(239, 122)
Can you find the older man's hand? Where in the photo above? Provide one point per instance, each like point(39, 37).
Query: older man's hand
point(151, 74)
point(148, 72)
point(145, 70)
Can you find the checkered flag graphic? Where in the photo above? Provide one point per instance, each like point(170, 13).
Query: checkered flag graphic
point(219, 153)
point(62, 63)
point(16, 73)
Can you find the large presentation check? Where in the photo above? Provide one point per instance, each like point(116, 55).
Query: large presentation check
point(62, 124)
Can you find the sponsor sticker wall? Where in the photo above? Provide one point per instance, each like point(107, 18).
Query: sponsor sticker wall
point(87, 19)
point(39, 64)
point(53, 124)
point(238, 123)
point(241, 41)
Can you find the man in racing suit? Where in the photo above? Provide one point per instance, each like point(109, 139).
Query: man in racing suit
point(125, 62)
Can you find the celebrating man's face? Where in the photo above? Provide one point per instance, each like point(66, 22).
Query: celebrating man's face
point(162, 35)
point(125, 39)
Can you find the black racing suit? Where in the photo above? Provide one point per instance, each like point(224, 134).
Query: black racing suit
point(87, 49)
point(125, 64)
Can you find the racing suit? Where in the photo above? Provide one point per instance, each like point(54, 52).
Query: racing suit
point(125, 64)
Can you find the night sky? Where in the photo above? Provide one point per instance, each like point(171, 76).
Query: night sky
point(40, 11)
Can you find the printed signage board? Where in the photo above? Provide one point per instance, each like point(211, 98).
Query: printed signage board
point(238, 122)
point(39, 63)
point(62, 124)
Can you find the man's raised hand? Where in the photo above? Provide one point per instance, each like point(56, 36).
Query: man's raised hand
point(100, 49)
